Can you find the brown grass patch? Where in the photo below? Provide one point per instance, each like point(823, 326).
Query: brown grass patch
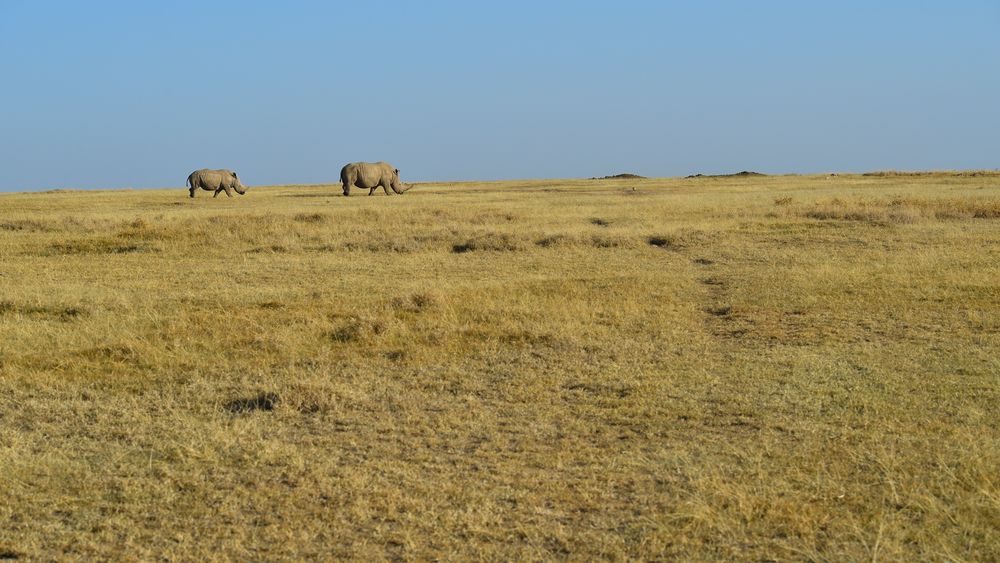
point(778, 386)
point(8, 307)
point(932, 173)
point(27, 225)
point(489, 242)
point(902, 210)
point(98, 246)
point(264, 401)
point(311, 217)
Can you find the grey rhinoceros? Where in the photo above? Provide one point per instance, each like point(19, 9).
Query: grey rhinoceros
point(215, 180)
point(371, 175)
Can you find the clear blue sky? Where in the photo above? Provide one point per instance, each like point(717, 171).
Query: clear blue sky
point(115, 94)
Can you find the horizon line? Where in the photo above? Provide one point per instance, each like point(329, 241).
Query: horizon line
point(624, 176)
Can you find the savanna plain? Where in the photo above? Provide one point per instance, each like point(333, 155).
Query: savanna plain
point(740, 368)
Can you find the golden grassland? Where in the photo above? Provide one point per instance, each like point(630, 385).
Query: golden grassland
point(797, 367)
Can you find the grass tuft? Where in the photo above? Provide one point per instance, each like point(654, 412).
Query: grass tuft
point(358, 330)
point(265, 401)
point(311, 217)
point(490, 242)
point(665, 242)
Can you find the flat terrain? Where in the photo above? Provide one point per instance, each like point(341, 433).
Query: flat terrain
point(749, 368)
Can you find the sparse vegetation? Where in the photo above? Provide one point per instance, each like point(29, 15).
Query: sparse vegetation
point(741, 174)
point(932, 173)
point(622, 176)
point(489, 241)
point(903, 210)
point(748, 368)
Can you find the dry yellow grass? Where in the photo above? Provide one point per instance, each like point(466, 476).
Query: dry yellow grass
point(714, 368)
